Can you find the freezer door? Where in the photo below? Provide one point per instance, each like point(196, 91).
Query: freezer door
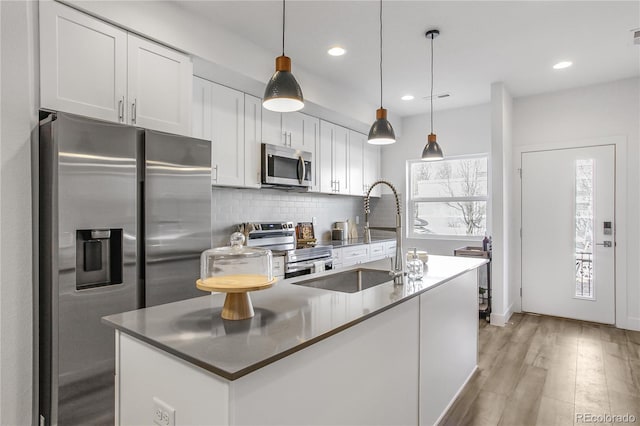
point(177, 193)
point(88, 224)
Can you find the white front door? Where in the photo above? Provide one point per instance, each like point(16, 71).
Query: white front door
point(568, 233)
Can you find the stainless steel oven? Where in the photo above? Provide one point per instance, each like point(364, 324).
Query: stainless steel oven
point(284, 166)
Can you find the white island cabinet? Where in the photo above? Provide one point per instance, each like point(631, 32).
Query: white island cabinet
point(385, 355)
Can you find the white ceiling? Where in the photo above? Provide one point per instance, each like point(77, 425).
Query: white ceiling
point(481, 42)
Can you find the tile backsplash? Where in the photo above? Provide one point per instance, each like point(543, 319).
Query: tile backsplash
point(231, 206)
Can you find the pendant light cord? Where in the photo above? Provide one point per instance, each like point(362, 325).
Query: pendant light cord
point(283, 19)
point(431, 84)
point(380, 53)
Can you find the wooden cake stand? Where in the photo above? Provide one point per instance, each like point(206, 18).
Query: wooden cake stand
point(237, 304)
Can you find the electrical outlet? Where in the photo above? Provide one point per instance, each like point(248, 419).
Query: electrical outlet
point(163, 413)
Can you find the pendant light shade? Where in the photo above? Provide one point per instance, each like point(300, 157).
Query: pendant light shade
point(432, 151)
point(283, 93)
point(381, 132)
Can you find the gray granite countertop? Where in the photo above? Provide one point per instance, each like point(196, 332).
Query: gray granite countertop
point(288, 318)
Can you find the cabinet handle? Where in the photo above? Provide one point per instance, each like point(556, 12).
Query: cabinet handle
point(338, 182)
point(285, 138)
point(121, 110)
point(134, 114)
point(216, 169)
point(289, 139)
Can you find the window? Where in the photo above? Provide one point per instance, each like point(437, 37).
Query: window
point(448, 198)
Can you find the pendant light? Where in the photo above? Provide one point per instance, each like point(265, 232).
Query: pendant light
point(432, 151)
point(283, 93)
point(381, 132)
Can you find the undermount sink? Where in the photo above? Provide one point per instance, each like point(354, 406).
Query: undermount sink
point(349, 281)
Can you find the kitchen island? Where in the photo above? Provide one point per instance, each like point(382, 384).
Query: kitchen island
point(384, 355)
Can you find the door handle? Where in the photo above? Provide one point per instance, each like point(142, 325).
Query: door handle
point(134, 114)
point(121, 109)
point(605, 244)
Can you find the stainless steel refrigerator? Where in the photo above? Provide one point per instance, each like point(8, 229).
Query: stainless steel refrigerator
point(123, 215)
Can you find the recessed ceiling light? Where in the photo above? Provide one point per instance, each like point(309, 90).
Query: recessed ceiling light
point(407, 98)
point(336, 51)
point(562, 65)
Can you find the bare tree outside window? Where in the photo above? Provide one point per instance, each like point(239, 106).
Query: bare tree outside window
point(449, 197)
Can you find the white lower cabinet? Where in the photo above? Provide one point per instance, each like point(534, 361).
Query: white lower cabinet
point(376, 251)
point(354, 255)
point(92, 68)
point(278, 267)
point(412, 359)
point(337, 258)
point(390, 248)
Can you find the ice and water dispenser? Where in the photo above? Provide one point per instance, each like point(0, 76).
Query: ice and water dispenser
point(98, 258)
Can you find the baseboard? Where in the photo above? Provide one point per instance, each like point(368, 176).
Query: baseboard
point(446, 410)
point(633, 323)
point(501, 319)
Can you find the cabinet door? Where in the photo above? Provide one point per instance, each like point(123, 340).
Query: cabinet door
point(371, 168)
point(159, 87)
point(227, 131)
point(325, 157)
point(356, 146)
point(272, 127)
point(201, 109)
point(311, 144)
point(341, 159)
point(294, 128)
point(252, 141)
point(83, 64)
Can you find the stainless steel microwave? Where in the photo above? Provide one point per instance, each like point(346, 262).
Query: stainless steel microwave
point(284, 166)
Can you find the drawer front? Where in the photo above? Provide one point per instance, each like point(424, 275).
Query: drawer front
point(376, 250)
point(390, 248)
point(278, 266)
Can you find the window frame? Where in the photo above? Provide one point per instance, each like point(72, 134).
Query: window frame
point(410, 201)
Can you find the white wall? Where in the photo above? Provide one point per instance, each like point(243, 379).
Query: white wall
point(501, 205)
point(460, 131)
point(599, 111)
point(19, 100)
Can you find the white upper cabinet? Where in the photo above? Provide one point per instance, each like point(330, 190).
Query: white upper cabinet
point(295, 126)
point(91, 68)
point(218, 116)
point(341, 159)
point(272, 127)
point(83, 64)
point(356, 171)
point(371, 168)
point(227, 136)
point(333, 158)
point(252, 141)
point(159, 86)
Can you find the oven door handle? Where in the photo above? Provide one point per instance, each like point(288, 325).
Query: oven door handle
point(299, 266)
point(302, 169)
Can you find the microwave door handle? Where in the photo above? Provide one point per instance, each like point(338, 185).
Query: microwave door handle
point(302, 170)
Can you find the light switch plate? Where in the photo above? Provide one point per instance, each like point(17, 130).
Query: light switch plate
point(163, 413)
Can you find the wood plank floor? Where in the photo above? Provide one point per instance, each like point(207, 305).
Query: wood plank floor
point(547, 371)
